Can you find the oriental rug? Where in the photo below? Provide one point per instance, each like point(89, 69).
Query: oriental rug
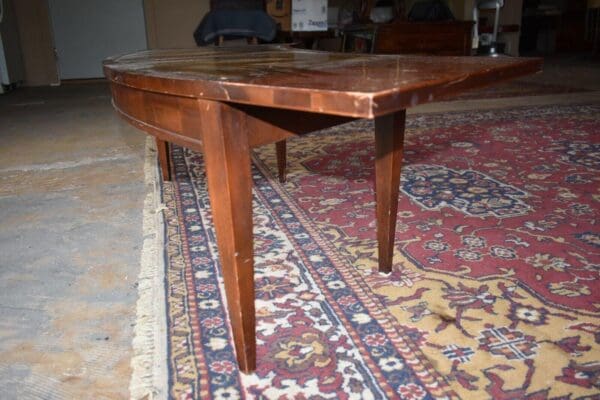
point(517, 88)
point(321, 332)
point(494, 293)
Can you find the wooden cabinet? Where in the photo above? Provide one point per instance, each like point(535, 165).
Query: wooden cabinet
point(410, 37)
point(441, 38)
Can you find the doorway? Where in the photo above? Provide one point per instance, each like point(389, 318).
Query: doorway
point(88, 31)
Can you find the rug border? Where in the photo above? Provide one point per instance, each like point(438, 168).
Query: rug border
point(148, 362)
point(437, 381)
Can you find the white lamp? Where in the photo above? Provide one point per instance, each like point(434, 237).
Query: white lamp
point(487, 5)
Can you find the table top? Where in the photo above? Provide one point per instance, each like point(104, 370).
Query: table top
point(355, 85)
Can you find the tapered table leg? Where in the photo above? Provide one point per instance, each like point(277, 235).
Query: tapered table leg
point(281, 150)
point(162, 148)
point(389, 140)
point(227, 158)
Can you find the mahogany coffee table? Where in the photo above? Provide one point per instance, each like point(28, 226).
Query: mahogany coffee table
point(223, 101)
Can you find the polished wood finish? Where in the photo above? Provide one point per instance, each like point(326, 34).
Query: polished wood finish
point(389, 143)
point(227, 157)
point(281, 150)
point(352, 85)
point(162, 149)
point(223, 101)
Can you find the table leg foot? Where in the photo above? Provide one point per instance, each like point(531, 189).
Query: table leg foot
point(281, 150)
point(162, 148)
point(389, 140)
point(227, 158)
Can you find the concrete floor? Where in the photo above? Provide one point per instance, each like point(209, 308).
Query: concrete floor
point(71, 198)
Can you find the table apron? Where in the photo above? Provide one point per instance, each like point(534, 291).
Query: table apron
point(176, 119)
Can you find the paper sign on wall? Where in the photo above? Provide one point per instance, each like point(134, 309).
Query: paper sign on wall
point(309, 15)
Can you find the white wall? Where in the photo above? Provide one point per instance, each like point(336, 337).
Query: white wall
point(87, 31)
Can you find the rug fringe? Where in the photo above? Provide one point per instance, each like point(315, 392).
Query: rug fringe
point(148, 363)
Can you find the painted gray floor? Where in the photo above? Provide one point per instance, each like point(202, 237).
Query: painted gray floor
point(71, 194)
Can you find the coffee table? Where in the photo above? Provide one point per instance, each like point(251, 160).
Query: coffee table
point(223, 101)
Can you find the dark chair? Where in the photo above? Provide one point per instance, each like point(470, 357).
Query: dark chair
point(221, 24)
point(229, 19)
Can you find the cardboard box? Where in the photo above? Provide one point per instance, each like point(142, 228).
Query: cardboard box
point(299, 15)
point(281, 12)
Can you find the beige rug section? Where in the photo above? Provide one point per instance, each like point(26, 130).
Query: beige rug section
point(149, 361)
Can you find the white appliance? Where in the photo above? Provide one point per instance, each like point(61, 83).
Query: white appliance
point(11, 61)
point(491, 41)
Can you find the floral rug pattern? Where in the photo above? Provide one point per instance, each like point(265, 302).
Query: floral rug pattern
point(497, 263)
